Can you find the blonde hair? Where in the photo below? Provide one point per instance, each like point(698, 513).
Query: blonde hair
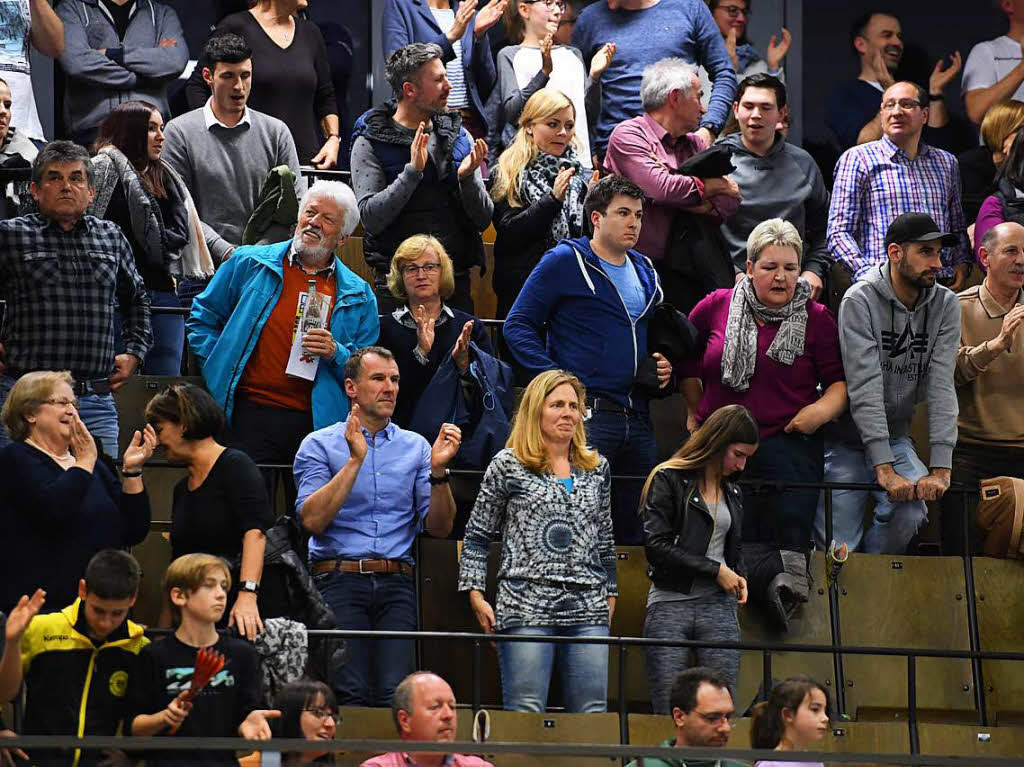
point(188, 573)
point(28, 395)
point(527, 440)
point(411, 249)
point(774, 231)
point(728, 425)
point(541, 105)
point(1000, 121)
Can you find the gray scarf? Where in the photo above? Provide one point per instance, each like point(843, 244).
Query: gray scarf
point(537, 179)
point(739, 356)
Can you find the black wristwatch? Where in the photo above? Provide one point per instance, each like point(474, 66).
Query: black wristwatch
point(442, 480)
point(936, 97)
point(250, 587)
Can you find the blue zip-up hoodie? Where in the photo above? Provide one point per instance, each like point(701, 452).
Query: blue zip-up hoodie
point(228, 317)
point(589, 330)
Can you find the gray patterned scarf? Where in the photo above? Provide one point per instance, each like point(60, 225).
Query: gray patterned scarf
point(739, 356)
point(536, 181)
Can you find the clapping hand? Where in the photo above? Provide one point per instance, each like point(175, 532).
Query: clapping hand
point(777, 50)
point(561, 185)
point(357, 446)
point(418, 148)
point(488, 16)
point(546, 63)
point(424, 330)
point(83, 446)
point(445, 446)
point(461, 20)
point(472, 160)
point(461, 351)
point(140, 449)
point(941, 75)
point(22, 614)
point(730, 47)
point(599, 63)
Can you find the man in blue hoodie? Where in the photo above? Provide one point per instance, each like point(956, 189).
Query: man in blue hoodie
point(593, 298)
point(899, 333)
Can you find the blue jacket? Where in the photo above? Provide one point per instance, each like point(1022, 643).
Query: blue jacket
point(410, 21)
point(589, 331)
point(227, 319)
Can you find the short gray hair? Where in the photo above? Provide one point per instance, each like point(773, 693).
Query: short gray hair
point(774, 231)
point(341, 195)
point(661, 78)
point(403, 66)
point(62, 153)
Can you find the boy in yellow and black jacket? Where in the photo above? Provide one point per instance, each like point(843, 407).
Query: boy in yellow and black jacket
point(79, 663)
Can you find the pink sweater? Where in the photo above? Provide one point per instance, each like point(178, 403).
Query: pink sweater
point(395, 759)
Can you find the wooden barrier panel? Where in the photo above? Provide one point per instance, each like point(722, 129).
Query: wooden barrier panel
point(519, 727)
point(904, 601)
point(999, 587)
point(971, 740)
point(653, 730)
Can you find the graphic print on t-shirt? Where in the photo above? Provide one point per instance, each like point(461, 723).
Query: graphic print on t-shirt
point(14, 28)
point(179, 679)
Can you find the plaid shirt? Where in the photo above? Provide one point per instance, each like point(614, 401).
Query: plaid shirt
point(875, 183)
point(60, 289)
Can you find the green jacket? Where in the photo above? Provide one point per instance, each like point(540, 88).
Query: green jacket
point(670, 743)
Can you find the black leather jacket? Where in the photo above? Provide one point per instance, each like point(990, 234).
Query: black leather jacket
point(678, 527)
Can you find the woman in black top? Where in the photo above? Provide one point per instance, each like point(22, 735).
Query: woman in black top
point(692, 531)
point(291, 77)
point(151, 204)
point(61, 503)
point(221, 508)
point(422, 331)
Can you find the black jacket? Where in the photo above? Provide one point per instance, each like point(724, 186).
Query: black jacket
point(678, 527)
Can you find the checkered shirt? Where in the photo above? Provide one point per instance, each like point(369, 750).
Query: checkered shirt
point(60, 289)
point(875, 183)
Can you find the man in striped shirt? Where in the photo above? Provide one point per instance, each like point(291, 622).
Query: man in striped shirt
point(877, 181)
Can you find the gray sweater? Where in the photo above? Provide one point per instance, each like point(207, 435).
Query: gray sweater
point(784, 183)
point(225, 169)
point(895, 357)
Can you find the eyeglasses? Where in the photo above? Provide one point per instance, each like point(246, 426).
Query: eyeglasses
point(412, 270)
point(551, 4)
point(323, 714)
point(908, 104)
point(716, 718)
point(734, 10)
point(62, 403)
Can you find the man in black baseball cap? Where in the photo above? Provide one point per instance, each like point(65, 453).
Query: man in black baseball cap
point(899, 333)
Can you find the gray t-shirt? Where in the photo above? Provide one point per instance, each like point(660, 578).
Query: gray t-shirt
point(702, 586)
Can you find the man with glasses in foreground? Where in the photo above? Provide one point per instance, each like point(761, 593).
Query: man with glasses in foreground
point(899, 173)
point(703, 712)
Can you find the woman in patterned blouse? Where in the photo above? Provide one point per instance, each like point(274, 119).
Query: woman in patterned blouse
point(547, 497)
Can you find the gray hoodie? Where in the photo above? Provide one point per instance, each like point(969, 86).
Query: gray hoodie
point(784, 183)
point(896, 357)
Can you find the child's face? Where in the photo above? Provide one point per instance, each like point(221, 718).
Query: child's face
point(207, 603)
point(811, 721)
point(103, 616)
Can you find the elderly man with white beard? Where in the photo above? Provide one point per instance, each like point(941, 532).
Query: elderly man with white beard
point(273, 358)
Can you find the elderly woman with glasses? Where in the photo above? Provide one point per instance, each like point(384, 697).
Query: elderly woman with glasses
point(768, 347)
point(62, 503)
point(424, 329)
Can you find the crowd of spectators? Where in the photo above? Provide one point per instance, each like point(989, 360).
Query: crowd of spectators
point(655, 234)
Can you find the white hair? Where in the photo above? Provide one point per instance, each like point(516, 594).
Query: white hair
point(774, 231)
point(338, 193)
point(661, 78)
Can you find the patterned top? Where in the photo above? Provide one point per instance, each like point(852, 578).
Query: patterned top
point(557, 555)
point(875, 183)
point(61, 288)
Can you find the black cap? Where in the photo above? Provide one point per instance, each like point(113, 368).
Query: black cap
point(916, 227)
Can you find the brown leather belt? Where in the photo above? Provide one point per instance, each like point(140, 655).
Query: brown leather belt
point(364, 566)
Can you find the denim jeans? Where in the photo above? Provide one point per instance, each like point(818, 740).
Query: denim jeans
point(627, 441)
point(785, 517)
point(97, 412)
point(164, 358)
point(373, 602)
point(894, 523)
point(526, 669)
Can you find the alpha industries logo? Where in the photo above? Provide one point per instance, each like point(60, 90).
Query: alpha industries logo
point(897, 345)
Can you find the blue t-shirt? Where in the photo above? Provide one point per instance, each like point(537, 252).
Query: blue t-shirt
point(628, 284)
point(566, 482)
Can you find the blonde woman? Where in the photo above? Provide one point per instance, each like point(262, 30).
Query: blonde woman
point(547, 497)
point(692, 519)
point(979, 165)
point(538, 189)
point(424, 329)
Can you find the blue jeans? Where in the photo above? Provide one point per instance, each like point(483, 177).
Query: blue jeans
point(374, 602)
point(526, 669)
point(164, 359)
point(894, 523)
point(627, 441)
point(96, 410)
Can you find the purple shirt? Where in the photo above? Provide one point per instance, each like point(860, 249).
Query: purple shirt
point(777, 392)
point(629, 154)
point(395, 759)
point(990, 214)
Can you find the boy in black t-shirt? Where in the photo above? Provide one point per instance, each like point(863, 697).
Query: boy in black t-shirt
point(196, 586)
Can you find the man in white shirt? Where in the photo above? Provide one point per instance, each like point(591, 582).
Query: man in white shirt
point(995, 68)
